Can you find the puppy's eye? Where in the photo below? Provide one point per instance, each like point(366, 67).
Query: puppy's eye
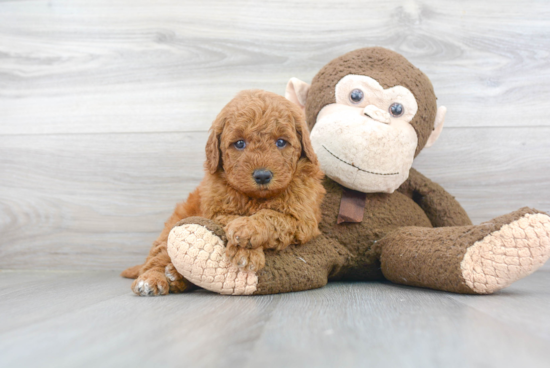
point(281, 143)
point(356, 96)
point(240, 144)
point(396, 109)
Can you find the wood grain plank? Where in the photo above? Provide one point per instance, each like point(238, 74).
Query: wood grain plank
point(344, 324)
point(81, 317)
point(524, 305)
point(385, 325)
point(81, 67)
point(98, 201)
point(53, 294)
point(12, 280)
point(491, 171)
point(66, 195)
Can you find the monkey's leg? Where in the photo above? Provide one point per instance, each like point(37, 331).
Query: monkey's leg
point(197, 247)
point(478, 259)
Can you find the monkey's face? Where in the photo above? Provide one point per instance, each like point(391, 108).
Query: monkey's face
point(370, 112)
point(365, 140)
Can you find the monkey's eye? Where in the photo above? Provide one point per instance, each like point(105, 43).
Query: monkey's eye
point(396, 109)
point(281, 143)
point(356, 96)
point(240, 145)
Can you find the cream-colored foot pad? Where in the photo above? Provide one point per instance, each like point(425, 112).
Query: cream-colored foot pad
point(504, 256)
point(199, 256)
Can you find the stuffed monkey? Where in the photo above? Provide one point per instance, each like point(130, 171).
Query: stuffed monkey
point(370, 113)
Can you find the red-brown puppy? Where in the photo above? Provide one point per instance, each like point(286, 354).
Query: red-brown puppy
point(262, 182)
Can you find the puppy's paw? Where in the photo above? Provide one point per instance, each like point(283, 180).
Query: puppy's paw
point(244, 258)
point(151, 283)
point(245, 232)
point(177, 284)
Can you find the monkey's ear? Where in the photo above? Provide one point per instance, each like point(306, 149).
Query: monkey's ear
point(213, 156)
point(438, 126)
point(296, 91)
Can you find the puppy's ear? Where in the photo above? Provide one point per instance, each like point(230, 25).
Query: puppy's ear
point(213, 154)
point(303, 134)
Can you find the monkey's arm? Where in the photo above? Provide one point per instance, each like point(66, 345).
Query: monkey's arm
point(441, 208)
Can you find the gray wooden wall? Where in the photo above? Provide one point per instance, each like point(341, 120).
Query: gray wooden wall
point(104, 105)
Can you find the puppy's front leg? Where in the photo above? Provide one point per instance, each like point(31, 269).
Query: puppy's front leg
point(244, 246)
point(158, 275)
point(267, 229)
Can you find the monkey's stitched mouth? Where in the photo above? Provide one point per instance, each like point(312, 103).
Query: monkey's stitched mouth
point(358, 168)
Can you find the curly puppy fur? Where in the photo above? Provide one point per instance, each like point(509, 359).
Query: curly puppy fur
point(255, 216)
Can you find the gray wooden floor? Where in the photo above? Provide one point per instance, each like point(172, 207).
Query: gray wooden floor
point(91, 319)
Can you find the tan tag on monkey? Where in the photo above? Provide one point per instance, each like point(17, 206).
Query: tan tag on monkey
point(352, 206)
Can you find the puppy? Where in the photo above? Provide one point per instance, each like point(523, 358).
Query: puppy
point(262, 183)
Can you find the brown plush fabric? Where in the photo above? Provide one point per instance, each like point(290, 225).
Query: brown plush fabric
point(351, 250)
point(390, 69)
point(357, 243)
point(383, 214)
point(303, 267)
point(441, 208)
point(432, 257)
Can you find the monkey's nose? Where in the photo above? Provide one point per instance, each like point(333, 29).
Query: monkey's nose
point(377, 114)
point(262, 176)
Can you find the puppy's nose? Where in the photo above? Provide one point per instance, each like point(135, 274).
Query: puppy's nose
point(262, 176)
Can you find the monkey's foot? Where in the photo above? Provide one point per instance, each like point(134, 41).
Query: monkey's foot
point(507, 255)
point(198, 254)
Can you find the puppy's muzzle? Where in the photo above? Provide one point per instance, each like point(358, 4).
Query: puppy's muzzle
point(262, 176)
